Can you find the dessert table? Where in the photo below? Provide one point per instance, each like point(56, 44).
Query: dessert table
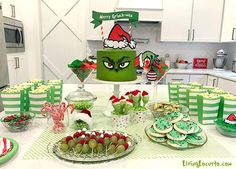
point(220, 152)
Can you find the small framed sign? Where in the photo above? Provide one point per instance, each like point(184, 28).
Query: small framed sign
point(200, 63)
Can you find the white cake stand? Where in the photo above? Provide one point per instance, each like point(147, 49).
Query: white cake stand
point(116, 89)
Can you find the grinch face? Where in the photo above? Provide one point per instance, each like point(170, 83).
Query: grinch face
point(148, 57)
point(116, 65)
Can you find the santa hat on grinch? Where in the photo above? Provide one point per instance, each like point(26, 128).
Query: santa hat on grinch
point(119, 39)
point(85, 115)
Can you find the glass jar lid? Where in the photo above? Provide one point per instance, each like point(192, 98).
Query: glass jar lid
point(80, 95)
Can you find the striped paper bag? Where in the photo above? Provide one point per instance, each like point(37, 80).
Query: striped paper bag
point(36, 82)
point(227, 106)
point(195, 85)
point(208, 108)
point(182, 94)
point(209, 88)
point(12, 100)
point(218, 91)
point(192, 99)
point(173, 91)
point(58, 85)
point(37, 97)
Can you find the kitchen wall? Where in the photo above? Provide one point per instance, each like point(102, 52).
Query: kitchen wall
point(28, 12)
point(152, 32)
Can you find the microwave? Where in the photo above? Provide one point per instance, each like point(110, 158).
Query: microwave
point(14, 35)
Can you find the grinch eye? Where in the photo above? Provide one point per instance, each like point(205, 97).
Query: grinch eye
point(124, 65)
point(108, 65)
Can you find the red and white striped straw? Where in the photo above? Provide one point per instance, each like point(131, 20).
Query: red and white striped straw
point(130, 29)
point(102, 34)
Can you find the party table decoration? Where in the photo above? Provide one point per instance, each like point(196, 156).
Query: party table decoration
point(37, 97)
point(139, 111)
point(18, 122)
point(9, 148)
point(82, 69)
point(208, 108)
point(173, 91)
point(174, 131)
point(93, 146)
point(57, 114)
point(192, 99)
point(13, 100)
point(182, 94)
point(227, 105)
point(152, 65)
point(58, 85)
point(120, 114)
point(227, 126)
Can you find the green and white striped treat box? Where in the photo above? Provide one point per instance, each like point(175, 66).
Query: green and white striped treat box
point(227, 106)
point(36, 82)
point(208, 108)
point(39, 96)
point(26, 87)
point(182, 94)
point(58, 84)
point(218, 91)
point(209, 88)
point(195, 84)
point(192, 99)
point(173, 91)
point(12, 100)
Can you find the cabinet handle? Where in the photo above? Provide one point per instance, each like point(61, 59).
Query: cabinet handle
point(16, 62)
point(188, 34)
point(177, 79)
point(233, 33)
point(193, 35)
point(13, 11)
point(214, 80)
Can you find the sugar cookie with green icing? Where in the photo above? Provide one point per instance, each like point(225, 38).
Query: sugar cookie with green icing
point(196, 139)
point(175, 135)
point(154, 133)
point(174, 117)
point(184, 127)
point(178, 144)
point(162, 126)
point(194, 125)
point(186, 117)
point(158, 139)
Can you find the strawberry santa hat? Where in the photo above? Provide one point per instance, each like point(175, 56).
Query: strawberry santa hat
point(119, 39)
point(231, 119)
point(85, 115)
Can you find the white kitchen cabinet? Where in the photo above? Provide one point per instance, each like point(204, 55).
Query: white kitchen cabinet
point(177, 77)
point(202, 79)
point(212, 81)
point(206, 20)
point(192, 20)
point(176, 23)
point(229, 22)
point(227, 85)
point(99, 6)
point(10, 8)
point(17, 68)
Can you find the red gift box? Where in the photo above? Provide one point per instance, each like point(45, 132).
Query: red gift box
point(200, 63)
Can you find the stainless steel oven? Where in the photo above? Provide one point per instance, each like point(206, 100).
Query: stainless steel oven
point(14, 35)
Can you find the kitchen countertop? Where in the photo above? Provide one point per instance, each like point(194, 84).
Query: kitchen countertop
point(226, 74)
point(27, 138)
